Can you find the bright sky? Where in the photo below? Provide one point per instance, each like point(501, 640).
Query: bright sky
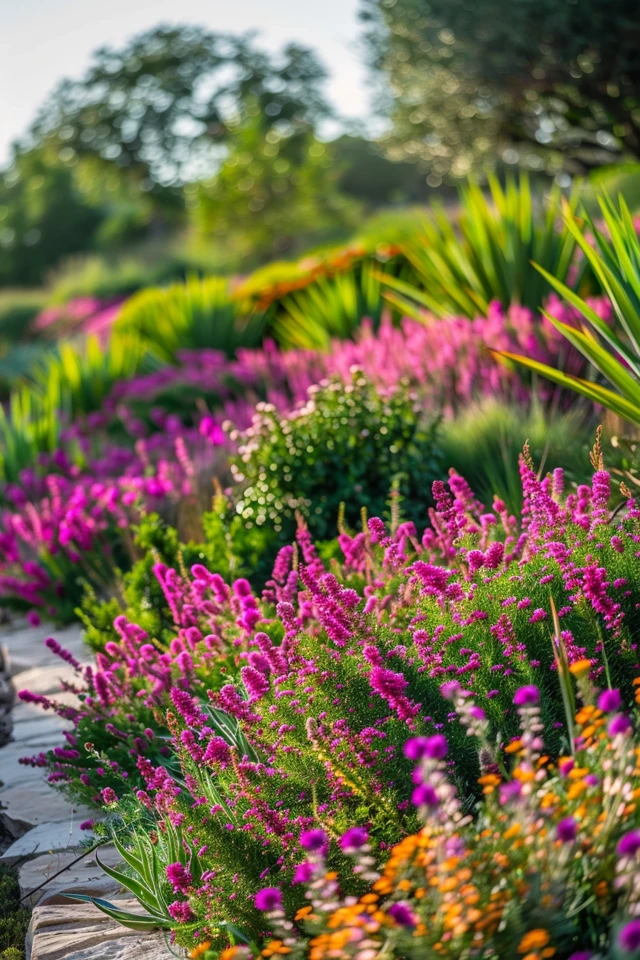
point(44, 40)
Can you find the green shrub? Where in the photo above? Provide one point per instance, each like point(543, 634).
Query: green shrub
point(349, 444)
point(14, 918)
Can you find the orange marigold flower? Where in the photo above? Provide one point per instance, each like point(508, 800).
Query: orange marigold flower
point(513, 747)
point(579, 667)
point(203, 947)
point(534, 940)
point(303, 913)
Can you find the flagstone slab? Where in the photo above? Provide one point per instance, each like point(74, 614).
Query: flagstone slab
point(80, 932)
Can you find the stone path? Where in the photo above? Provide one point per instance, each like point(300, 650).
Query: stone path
point(40, 827)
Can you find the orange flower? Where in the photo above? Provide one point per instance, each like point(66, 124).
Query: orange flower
point(579, 667)
point(534, 940)
point(203, 947)
point(303, 913)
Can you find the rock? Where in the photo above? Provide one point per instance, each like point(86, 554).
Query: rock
point(38, 803)
point(46, 838)
point(26, 647)
point(86, 876)
point(80, 932)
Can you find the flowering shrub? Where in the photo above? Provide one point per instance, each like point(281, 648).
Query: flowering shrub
point(547, 865)
point(263, 720)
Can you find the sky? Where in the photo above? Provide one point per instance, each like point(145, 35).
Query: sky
point(45, 40)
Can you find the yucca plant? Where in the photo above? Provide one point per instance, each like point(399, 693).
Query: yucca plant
point(484, 252)
point(612, 251)
point(194, 315)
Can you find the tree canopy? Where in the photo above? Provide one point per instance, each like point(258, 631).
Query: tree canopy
point(551, 83)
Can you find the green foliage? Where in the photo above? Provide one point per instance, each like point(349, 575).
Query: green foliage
point(14, 918)
point(43, 217)
point(486, 252)
point(349, 444)
point(66, 383)
point(545, 84)
point(270, 189)
point(329, 307)
point(198, 314)
point(614, 350)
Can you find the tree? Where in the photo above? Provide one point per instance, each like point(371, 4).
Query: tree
point(271, 188)
point(550, 83)
point(43, 217)
point(161, 107)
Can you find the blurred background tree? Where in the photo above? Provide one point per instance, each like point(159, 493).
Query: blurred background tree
point(552, 84)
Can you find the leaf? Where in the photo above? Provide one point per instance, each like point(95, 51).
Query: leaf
point(134, 921)
point(593, 391)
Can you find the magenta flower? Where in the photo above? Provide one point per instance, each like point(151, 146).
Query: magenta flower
point(314, 840)
point(619, 723)
point(181, 911)
point(268, 899)
point(402, 915)
point(425, 796)
point(609, 701)
point(354, 838)
point(179, 877)
point(629, 936)
point(433, 747)
point(629, 844)
point(108, 796)
point(567, 830)
point(526, 696)
point(303, 872)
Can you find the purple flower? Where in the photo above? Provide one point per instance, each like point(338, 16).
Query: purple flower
point(510, 791)
point(567, 830)
point(581, 955)
point(424, 796)
point(526, 696)
point(609, 701)
point(179, 877)
point(629, 936)
point(108, 796)
point(314, 840)
point(303, 872)
point(433, 747)
point(268, 899)
point(354, 838)
point(181, 912)
point(629, 844)
point(402, 915)
point(450, 689)
point(619, 723)
point(87, 824)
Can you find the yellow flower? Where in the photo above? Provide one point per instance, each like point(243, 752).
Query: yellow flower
point(533, 940)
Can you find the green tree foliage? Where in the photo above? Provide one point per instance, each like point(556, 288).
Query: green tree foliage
point(43, 216)
point(550, 83)
point(272, 187)
point(161, 106)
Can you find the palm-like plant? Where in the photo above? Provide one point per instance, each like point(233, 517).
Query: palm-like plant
point(484, 252)
point(612, 251)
